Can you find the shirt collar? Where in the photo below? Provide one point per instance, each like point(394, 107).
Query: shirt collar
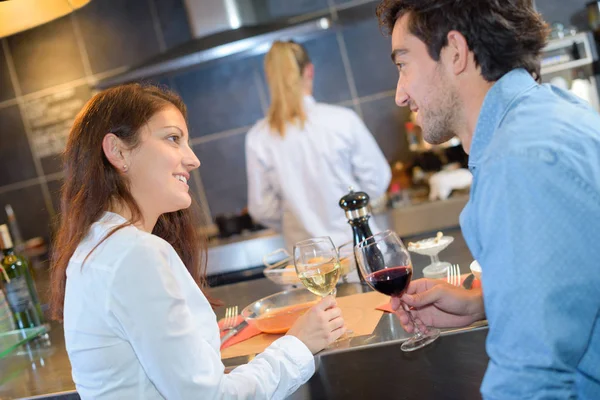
point(496, 104)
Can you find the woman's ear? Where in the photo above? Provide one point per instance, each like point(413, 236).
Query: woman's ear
point(114, 151)
point(309, 71)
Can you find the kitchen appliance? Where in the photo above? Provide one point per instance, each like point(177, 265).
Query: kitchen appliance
point(242, 28)
point(568, 62)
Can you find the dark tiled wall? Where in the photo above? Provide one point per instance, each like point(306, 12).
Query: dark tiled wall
point(224, 99)
point(567, 12)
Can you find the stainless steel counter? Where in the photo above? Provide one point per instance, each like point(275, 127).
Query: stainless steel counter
point(246, 251)
point(371, 366)
point(388, 331)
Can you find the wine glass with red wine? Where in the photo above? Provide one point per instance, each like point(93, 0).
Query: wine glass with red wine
point(385, 264)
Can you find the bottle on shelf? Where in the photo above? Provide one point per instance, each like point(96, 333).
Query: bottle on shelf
point(19, 286)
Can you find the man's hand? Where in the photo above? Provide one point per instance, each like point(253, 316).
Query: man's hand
point(438, 304)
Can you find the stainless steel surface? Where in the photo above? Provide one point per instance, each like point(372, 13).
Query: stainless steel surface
point(245, 40)
point(369, 367)
point(243, 254)
point(39, 368)
point(589, 56)
point(423, 217)
point(468, 282)
point(233, 331)
point(388, 331)
point(231, 316)
point(207, 17)
point(247, 251)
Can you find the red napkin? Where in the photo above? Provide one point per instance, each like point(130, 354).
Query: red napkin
point(387, 307)
point(245, 334)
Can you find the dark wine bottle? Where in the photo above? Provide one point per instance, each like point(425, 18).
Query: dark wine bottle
point(20, 290)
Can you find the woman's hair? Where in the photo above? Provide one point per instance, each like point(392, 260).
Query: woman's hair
point(92, 184)
point(284, 66)
point(502, 34)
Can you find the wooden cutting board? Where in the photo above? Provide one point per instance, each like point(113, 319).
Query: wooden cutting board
point(359, 314)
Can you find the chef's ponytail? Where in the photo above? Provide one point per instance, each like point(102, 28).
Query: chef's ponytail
point(284, 65)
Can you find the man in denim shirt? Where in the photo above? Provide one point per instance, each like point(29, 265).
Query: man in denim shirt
point(533, 220)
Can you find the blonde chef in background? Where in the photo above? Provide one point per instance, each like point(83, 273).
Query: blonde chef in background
point(302, 157)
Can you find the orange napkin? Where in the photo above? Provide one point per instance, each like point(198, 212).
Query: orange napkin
point(387, 307)
point(245, 334)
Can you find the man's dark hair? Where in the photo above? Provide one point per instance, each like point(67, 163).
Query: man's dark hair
point(503, 34)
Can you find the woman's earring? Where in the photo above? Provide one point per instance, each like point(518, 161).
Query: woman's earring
point(124, 168)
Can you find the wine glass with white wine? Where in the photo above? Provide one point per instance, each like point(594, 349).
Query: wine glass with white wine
point(317, 265)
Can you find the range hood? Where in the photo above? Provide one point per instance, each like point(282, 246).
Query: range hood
point(230, 28)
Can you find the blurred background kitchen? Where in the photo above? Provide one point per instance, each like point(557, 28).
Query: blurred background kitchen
point(211, 52)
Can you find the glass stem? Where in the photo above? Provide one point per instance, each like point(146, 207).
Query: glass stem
point(418, 332)
point(435, 259)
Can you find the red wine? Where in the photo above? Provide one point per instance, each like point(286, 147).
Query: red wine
point(390, 281)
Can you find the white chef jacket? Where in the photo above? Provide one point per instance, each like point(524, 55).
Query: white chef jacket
point(295, 182)
point(138, 327)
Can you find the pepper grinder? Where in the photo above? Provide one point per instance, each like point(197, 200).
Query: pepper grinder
point(355, 204)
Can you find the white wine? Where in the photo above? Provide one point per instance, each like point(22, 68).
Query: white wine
point(321, 279)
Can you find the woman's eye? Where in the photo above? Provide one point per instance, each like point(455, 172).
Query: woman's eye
point(173, 138)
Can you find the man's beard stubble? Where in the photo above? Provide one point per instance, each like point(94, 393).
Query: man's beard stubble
point(439, 120)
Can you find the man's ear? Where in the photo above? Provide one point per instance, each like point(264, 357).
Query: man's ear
point(456, 53)
point(115, 151)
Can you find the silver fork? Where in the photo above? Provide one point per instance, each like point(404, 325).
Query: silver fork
point(453, 275)
point(231, 314)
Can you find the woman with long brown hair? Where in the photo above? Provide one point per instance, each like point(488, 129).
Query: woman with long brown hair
point(302, 157)
point(127, 274)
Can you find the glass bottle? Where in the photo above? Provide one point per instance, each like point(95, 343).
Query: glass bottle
point(20, 291)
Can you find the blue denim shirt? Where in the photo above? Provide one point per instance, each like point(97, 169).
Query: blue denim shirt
point(533, 223)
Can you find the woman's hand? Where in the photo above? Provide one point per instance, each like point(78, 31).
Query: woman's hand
point(320, 326)
point(438, 304)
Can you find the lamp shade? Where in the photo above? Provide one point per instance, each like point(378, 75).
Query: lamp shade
point(19, 15)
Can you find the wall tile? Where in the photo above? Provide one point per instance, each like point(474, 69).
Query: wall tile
point(30, 210)
point(331, 82)
point(221, 96)
point(223, 172)
point(173, 21)
point(386, 120)
point(117, 33)
point(54, 188)
point(369, 54)
point(51, 119)
point(6, 88)
point(46, 56)
point(279, 8)
point(570, 12)
point(16, 161)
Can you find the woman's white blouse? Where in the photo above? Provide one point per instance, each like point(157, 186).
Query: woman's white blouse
point(138, 327)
